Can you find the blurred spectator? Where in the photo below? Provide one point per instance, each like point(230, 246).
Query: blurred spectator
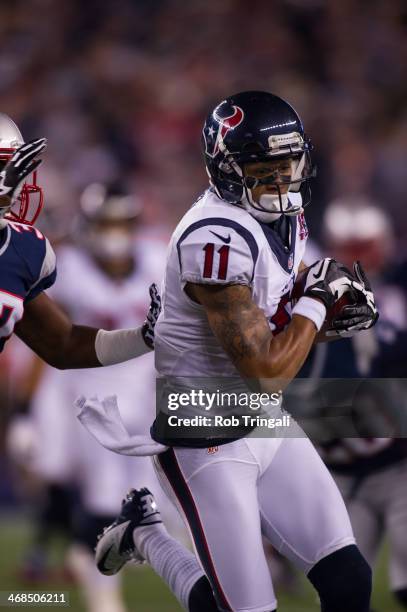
point(123, 93)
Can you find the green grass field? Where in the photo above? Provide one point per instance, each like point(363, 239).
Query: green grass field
point(144, 592)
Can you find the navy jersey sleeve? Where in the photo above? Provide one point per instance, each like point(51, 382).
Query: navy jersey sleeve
point(47, 273)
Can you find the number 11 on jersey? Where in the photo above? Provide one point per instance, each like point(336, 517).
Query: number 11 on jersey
point(223, 260)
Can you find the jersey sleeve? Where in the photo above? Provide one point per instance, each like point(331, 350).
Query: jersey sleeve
point(219, 251)
point(47, 275)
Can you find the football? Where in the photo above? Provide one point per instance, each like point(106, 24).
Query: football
point(298, 290)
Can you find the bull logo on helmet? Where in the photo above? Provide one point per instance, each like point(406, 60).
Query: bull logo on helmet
point(214, 137)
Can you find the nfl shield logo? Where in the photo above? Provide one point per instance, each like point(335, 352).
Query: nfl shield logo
point(291, 261)
point(212, 450)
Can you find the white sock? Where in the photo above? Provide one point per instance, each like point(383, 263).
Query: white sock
point(176, 565)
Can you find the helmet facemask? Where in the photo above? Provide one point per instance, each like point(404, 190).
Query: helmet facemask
point(28, 204)
point(269, 207)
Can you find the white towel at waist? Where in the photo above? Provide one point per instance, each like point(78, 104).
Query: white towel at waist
point(103, 421)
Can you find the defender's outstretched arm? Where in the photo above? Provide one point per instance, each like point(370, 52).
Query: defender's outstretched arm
point(49, 332)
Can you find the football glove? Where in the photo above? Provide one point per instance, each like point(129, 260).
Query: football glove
point(19, 166)
point(327, 280)
point(149, 324)
point(363, 313)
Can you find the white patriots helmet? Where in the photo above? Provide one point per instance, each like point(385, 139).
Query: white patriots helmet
point(27, 207)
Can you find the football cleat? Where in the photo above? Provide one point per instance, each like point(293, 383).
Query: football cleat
point(115, 545)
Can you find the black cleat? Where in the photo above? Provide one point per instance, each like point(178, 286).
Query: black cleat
point(115, 545)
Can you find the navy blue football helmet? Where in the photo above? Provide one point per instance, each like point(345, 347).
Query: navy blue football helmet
point(256, 126)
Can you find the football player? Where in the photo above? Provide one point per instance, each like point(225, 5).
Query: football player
point(226, 309)
point(28, 268)
point(111, 261)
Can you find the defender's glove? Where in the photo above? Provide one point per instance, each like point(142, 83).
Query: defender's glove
point(149, 324)
point(19, 166)
point(360, 315)
point(327, 280)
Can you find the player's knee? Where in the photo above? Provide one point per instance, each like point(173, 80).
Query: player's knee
point(401, 596)
point(201, 598)
point(343, 581)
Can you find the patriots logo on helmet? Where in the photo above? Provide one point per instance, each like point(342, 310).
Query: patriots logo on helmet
point(213, 136)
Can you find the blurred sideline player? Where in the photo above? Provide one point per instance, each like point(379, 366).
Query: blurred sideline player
point(101, 282)
point(231, 266)
point(371, 472)
point(28, 268)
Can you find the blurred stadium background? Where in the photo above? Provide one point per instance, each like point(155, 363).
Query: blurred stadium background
point(121, 87)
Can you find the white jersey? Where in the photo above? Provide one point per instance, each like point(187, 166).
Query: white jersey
point(92, 298)
point(218, 243)
point(67, 451)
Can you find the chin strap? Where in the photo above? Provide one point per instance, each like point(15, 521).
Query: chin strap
point(257, 210)
point(295, 212)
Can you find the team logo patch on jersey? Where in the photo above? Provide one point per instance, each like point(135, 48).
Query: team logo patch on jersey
point(212, 450)
point(214, 134)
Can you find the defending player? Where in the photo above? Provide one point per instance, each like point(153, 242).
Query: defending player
point(231, 266)
point(110, 260)
point(28, 268)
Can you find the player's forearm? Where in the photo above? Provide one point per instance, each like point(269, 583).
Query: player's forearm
point(47, 330)
point(285, 354)
point(244, 333)
point(120, 345)
point(87, 347)
point(246, 337)
point(276, 360)
point(72, 349)
point(77, 351)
